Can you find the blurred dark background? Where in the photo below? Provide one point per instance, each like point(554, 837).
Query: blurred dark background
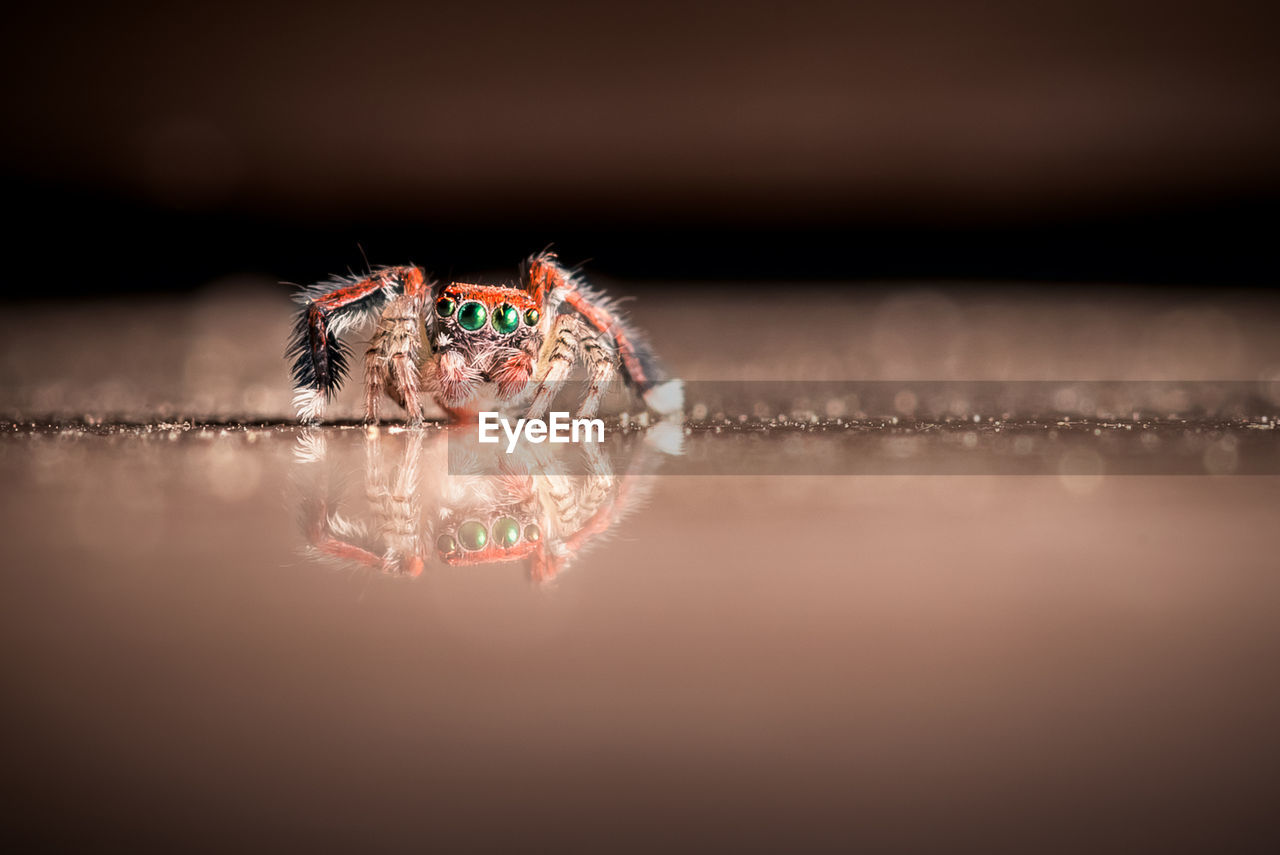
point(159, 146)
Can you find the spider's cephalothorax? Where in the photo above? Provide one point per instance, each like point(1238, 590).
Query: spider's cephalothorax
point(471, 346)
point(483, 335)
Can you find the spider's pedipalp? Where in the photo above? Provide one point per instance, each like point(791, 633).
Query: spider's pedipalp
point(512, 371)
point(453, 381)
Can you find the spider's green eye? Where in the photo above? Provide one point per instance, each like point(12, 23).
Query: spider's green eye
point(472, 315)
point(506, 532)
point(531, 317)
point(472, 535)
point(505, 318)
point(445, 306)
point(446, 544)
point(531, 533)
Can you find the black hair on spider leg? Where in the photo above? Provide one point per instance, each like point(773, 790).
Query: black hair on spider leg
point(319, 363)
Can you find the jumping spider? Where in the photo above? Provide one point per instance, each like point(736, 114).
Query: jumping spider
point(471, 347)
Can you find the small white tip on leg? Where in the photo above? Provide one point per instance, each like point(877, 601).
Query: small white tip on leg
point(666, 399)
point(310, 405)
point(667, 437)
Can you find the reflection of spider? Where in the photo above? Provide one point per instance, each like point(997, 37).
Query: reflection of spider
point(542, 518)
point(483, 344)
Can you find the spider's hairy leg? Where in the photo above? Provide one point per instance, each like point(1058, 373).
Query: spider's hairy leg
point(554, 285)
point(404, 372)
point(601, 361)
point(640, 367)
point(392, 491)
point(391, 363)
point(324, 542)
point(329, 311)
point(373, 383)
point(559, 353)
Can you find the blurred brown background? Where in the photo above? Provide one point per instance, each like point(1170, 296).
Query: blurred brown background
point(1082, 662)
point(161, 145)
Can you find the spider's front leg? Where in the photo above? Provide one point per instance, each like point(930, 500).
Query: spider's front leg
point(330, 310)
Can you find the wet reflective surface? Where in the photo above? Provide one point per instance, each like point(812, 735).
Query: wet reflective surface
point(1018, 637)
point(435, 498)
point(239, 636)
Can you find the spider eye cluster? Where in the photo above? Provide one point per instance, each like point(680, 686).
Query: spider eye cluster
point(474, 536)
point(472, 315)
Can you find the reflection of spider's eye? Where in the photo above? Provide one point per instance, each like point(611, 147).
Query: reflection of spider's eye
point(446, 544)
point(531, 533)
point(472, 535)
point(445, 306)
point(472, 315)
point(505, 318)
point(506, 532)
point(531, 317)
